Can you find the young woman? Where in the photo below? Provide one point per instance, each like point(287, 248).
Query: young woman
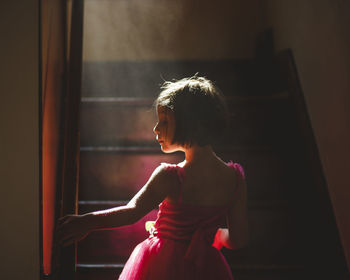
point(202, 200)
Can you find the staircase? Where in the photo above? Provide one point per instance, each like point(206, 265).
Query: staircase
point(119, 153)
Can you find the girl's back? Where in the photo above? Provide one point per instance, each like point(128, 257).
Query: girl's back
point(209, 182)
point(181, 241)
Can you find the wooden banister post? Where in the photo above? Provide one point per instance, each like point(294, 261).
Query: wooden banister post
point(71, 132)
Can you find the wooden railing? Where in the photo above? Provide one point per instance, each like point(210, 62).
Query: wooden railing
point(71, 131)
point(61, 70)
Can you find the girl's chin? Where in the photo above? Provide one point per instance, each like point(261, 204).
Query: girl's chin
point(168, 150)
point(165, 150)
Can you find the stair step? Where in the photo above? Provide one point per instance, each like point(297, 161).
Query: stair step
point(109, 175)
point(129, 121)
point(147, 101)
point(115, 176)
point(260, 267)
point(142, 78)
point(94, 205)
point(90, 271)
point(155, 149)
point(123, 149)
point(274, 238)
point(121, 101)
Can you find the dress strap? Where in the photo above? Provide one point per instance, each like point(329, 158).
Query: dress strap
point(180, 174)
point(240, 175)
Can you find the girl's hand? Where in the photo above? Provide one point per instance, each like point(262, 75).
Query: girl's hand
point(222, 239)
point(218, 239)
point(72, 228)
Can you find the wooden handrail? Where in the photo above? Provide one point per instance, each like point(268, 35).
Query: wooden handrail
point(71, 132)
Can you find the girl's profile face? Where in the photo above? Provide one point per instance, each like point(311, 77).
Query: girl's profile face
point(165, 129)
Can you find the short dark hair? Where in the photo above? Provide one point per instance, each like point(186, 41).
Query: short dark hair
point(200, 110)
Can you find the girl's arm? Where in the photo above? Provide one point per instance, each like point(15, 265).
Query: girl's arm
point(237, 234)
point(75, 227)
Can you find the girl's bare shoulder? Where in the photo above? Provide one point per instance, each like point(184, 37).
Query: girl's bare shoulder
point(226, 170)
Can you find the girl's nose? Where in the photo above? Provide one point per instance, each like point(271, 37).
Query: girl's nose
point(155, 129)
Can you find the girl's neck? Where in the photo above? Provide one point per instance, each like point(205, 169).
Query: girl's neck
point(197, 153)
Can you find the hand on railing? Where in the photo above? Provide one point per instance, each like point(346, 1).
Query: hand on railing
point(72, 228)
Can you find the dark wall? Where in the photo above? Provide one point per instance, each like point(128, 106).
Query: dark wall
point(318, 34)
point(19, 149)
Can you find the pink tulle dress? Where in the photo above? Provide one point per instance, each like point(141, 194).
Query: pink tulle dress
point(180, 242)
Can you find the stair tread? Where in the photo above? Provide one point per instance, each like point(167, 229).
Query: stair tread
point(255, 118)
point(282, 96)
point(255, 203)
point(233, 266)
point(274, 238)
point(106, 175)
point(154, 148)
